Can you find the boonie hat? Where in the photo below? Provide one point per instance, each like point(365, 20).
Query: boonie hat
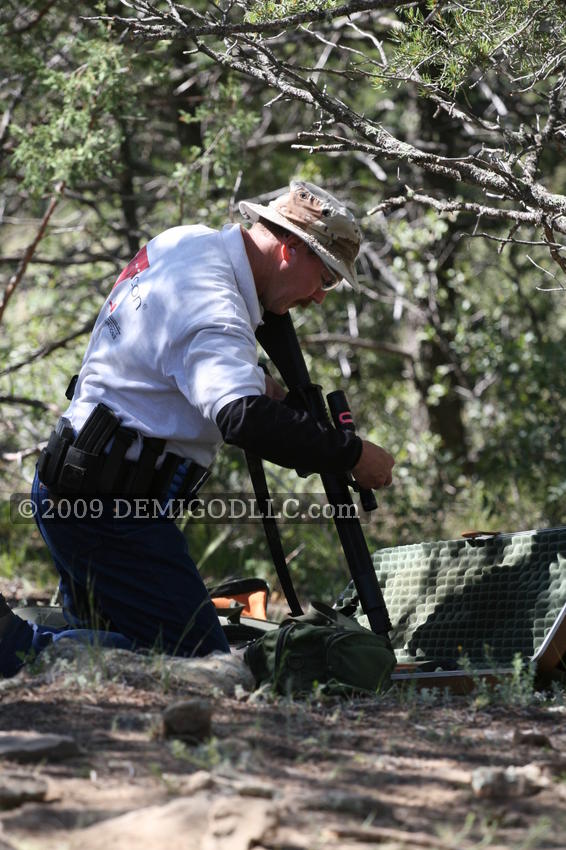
point(320, 220)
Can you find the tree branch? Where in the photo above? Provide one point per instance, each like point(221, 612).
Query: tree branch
point(48, 349)
point(357, 342)
point(449, 207)
point(165, 25)
point(29, 252)
point(552, 247)
point(27, 402)
point(11, 457)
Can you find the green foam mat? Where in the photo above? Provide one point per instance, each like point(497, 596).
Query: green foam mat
point(486, 598)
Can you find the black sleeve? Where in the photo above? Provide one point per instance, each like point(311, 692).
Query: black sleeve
point(287, 437)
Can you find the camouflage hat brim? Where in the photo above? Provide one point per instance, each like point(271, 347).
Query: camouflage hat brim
point(346, 269)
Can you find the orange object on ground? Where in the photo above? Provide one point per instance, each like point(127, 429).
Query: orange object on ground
point(252, 593)
point(255, 603)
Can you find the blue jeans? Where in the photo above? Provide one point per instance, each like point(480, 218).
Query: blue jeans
point(126, 582)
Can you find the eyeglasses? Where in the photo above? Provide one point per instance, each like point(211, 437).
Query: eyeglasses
point(334, 280)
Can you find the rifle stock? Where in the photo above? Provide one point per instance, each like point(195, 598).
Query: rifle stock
point(278, 339)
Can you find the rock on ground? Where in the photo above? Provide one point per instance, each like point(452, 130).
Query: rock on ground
point(31, 747)
point(18, 788)
point(188, 823)
point(188, 719)
point(220, 673)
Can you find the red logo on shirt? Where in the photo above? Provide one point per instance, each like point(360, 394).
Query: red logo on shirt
point(136, 266)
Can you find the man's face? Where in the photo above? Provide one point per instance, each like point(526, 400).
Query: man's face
point(301, 279)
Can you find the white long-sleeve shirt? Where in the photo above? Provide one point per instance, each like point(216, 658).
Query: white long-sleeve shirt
point(174, 341)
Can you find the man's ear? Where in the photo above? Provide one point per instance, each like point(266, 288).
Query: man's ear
point(289, 246)
point(287, 251)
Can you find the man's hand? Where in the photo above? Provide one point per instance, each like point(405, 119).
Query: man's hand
point(274, 390)
point(373, 470)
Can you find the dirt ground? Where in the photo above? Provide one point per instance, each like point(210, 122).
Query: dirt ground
point(407, 770)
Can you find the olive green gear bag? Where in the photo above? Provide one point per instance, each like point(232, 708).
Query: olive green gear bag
point(322, 648)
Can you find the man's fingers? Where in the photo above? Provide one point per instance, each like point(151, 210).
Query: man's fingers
point(374, 468)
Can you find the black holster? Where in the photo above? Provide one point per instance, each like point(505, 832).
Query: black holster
point(93, 463)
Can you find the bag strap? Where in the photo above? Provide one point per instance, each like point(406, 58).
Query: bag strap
point(320, 614)
point(259, 481)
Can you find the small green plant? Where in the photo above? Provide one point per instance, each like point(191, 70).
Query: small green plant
point(556, 695)
point(455, 838)
point(205, 756)
point(520, 687)
point(161, 671)
point(536, 834)
point(33, 662)
point(413, 699)
point(513, 685)
point(156, 770)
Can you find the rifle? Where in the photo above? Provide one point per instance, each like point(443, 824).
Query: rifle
point(278, 339)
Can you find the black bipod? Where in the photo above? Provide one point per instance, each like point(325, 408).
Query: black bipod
point(278, 339)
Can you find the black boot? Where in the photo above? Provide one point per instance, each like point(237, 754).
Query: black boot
point(16, 636)
point(7, 616)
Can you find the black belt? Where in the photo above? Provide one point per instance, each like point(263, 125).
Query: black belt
point(85, 466)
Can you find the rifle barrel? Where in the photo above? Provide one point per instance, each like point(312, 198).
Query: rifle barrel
point(278, 338)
